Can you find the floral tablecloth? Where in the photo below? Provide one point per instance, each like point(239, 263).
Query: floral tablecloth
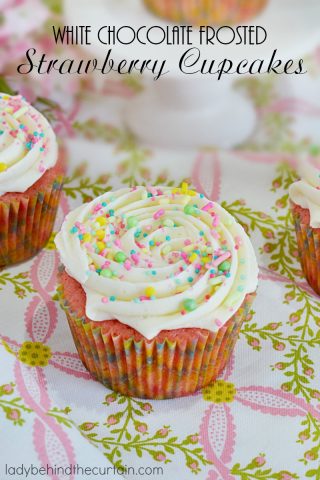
point(261, 420)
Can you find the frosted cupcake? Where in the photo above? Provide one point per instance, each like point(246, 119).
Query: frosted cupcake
point(156, 284)
point(305, 203)
point(31, 178)
point(206, 12)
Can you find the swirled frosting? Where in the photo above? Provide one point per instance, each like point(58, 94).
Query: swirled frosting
point(306, 191)
point(158, 259)
point(28, 145)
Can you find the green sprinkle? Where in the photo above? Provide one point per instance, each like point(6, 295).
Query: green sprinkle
point(120, 257)
point(112, 298)
point(132, 222)
point(189, 210)
point(224, 266)
point(190, 305)
point(106, 272)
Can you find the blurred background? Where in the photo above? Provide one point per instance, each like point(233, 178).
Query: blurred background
point(262, 114)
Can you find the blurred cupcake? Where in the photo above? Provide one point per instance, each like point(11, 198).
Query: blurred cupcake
point(31, 179)
point(206, 12)
point(156, 284)
point(305, 203)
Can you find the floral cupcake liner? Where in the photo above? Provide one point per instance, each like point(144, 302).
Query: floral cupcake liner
point(26, 222)
point(308, 240)
point(151, 368)
point(206, 12)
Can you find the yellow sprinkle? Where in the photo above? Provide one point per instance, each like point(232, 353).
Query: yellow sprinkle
point(101, 246)
point(87, 237)
point(205, 260)
point(150, 292)
point(193, 257)
point(101, 220)
point(3, 167)
point(100, 234)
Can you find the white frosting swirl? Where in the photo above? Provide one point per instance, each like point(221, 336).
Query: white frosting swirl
point(306, 192)
point(158, 259)
point(28, 145)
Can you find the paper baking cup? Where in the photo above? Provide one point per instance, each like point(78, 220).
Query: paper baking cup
point(26, 222)
point(206, 12)
point(308, 240)
point(151, 368)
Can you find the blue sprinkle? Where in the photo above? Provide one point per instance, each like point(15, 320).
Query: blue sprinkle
point(112, 298)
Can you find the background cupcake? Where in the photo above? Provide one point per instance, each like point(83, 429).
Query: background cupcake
point(305, 202)
point(206, 12)
point(157, 283)
point(31, 179)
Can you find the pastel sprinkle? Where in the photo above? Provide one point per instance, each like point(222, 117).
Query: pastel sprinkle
point(150, 292)
point(190, 305)
point(3, 167)
point(158, 214)
point(120, 257)
point(106, 273)
point(132, 222)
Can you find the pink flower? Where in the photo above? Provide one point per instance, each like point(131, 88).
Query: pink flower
point(7, 389)
point(141, 427)
point(87, 426)
point(112, 420)
point(279, 346)
point(286, 476)
point(294, 318)
point(160, 457)
point(194, 438)
point(260, 460)
point(309, 372)
point(193, 465)
point(13, 415)
point(254, 342)
point(304, 436)
point(274, 326)
point(110, 398)
point(309, 455)
point(147, 407)
point(163, 432)
point(279, 366)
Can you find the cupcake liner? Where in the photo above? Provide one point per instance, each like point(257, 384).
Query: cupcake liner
point(154, 369)
point(308, 240)
point(206, 12)
point(26, 222)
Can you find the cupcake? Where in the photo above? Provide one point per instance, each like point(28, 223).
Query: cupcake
point(305, 204)
point(206, 12)
point(31, 177)
point(156, 283)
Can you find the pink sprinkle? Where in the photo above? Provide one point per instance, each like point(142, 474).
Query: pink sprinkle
point(97, 207)
point(215, 234)
point(117, 243)
point(184, 256)
point(104, 300)
point(187, 242)
point(159, 214)
point(152, 190)
point(135, 258)
point(207, 207)
point(127, 265)
point(218, 322)
point(221, 259)
point(197, 266)
point(106, 264)
point(215, 221)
